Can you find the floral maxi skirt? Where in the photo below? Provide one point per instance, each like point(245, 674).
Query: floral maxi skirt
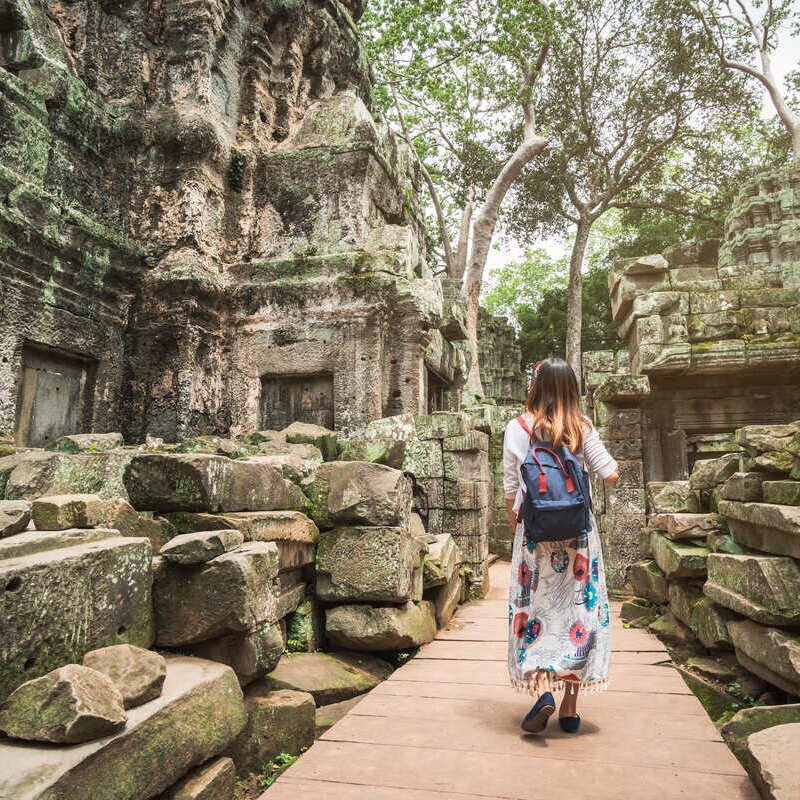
point(558, 613)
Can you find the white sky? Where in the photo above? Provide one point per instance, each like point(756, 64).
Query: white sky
point(785, 59)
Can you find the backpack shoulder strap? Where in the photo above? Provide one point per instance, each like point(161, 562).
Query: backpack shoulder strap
point(524, 425)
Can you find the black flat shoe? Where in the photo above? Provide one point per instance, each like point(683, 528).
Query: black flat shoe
point(569, 724)
point(536, 719)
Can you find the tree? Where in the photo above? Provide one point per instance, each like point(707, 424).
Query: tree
point(459, 79)
point(739, 33)
point(628, 94)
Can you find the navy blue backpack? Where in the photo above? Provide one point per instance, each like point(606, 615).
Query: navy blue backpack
point(556, 502)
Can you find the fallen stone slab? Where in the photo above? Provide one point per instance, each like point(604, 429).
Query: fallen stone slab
point(215, 780)
point(441, 561)
point(671, 497)
point(371, 629)
point(14, 517)
point(69, 592)
point(197, 548)
point(69, 705)
point(679, 527)
point(328, 716)
point(711, 472)
point(742, 486)
point(770, 653)
point(59, 512)
point(766, 438)
point(278, 721)
point(763, 588)
point(86, 442)
point(250, 655)
point(763, 526)
point(754, 719)
point(232, 593)
point(379, 564)
point(204, 482)
point(329, 677)
point(137, 674)
point(678, 560)
point(359, 493)
point(711, 624)
point(785, 493)
point(648, 581)
point(773, 761)
point(123, 517)
point(683, 598)
point(319, 436)
point(199, 713)
point(446, 598)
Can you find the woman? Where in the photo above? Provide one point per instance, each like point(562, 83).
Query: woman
point(558, 603)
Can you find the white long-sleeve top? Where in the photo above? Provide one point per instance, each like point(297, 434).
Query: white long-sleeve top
point(516, 444)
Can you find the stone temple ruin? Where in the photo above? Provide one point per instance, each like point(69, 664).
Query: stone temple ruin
point(236, 483)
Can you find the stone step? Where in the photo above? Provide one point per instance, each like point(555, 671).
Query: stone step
point(770, 653)
point(764, 526)
point(680, 526)
point(678, 560)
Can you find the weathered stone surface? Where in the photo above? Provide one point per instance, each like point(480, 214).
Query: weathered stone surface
point(202, 482)
point(763, 588)
point(250, 655)
point(743, 486)
point(197, 548)
point(770, 653)
point(678, 560)
point(708, 473)
point(671, 629)
point(328, 716)
point(232, 593)
point(446, 598)
point(366, 628)
point(83, 442)
point(59, 512)
point(69, 705)
point(441, 561)
point(359, 493)
point(773, 761)
point(329, 677)
point(683, 597)
point(711, 624)
point(364, 564)
point(198, 714)
point(786, 493)
point(91, 587)
point(14, 516)
point(751, 720)
point(121, 515)
point(215, 780)
point(304, 433)
point(137, 674)
point(763, 526)
point(671, 497)
point(648, 581)
point(305, 627)
point(687, 526)
point(278, 721)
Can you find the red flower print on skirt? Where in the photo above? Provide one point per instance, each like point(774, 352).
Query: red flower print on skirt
point(580, 567)
point(577, 633)
point(519, 623)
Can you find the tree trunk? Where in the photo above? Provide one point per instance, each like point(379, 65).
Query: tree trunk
point(796, 142)
point(575, 296)
point(483, 227)
point(462, 247)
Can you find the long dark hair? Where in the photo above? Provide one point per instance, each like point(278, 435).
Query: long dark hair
point(555, 402)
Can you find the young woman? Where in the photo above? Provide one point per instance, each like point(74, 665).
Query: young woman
point(558, 603)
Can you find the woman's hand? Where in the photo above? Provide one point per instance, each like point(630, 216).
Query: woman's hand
point(512, 517)
point(612, 478)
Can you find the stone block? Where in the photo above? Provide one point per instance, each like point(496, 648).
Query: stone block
point(278, 721)
point(683, 597)
point(203, 482)
point(137, 674)
point(121, 515)
point(232, 593)
point(424, 458)
point(770, 653)
point(472, 548)
point(446, 598)
point(69, 705)
point(648, 581)
point(466, 466)
point(328, 677)
point(305, 627)
point(785, 493)
point(59, 512)
point(14, 517)
point(359, 493)
point(711, 624)
point(743, 486)
point(763, 588)
point(622, 548)
point(91, 587)
point(197, 548)
point(466, 494)
point(671, 629)
point(671, 497)
point(680, 527)
point(328, 716)
point(769, 438)
point(470, 441)
point(198, 714)
point(86, 442)
point(754, 719)
point(625, 500)
point(763, 526)
point(773, 761)
point(370, 629)
point(215, 780)
point(250, 655)
point(678, 560)
point(443, 424)
point(711, 472)
point(441, 561)
point(317, 435)
point(290, 591)
point(368, 564)
point(631, 473)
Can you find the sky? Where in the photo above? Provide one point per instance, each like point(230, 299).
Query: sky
point(785, 59)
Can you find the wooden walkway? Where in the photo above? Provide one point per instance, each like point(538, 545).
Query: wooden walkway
point(446, 727)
